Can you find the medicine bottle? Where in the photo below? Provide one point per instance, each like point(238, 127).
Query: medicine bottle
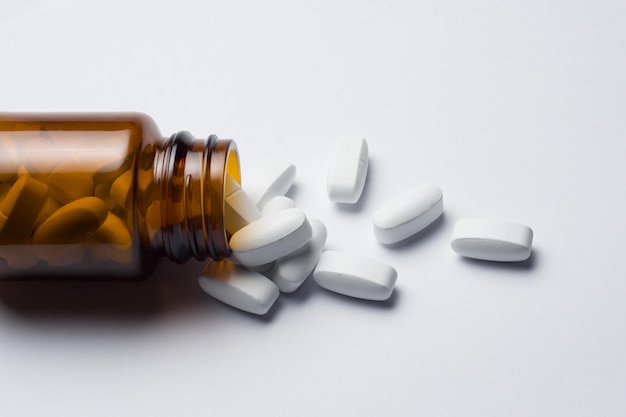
point(105, 195)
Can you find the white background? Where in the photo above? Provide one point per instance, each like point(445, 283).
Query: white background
point(516, 109)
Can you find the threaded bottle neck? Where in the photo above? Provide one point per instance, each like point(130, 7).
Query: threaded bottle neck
point(189, 188)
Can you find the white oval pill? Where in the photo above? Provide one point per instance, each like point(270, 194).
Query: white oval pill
point(408, 213)
point(291, 271)
point(239, 287)
point(277, 204)
point(492, 239)
point(239, 209)
point(273, 177)
point(271, 237)
point(347, 170)
point(355, 276)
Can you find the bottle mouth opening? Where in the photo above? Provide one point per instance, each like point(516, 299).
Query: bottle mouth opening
point(224, 163)
point(192, 191)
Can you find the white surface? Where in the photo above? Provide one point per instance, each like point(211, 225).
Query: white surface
point(516, 109)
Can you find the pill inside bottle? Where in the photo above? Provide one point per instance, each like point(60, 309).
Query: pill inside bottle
point(105, 196)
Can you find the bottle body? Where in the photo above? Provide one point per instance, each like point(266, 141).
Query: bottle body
point(103, 196)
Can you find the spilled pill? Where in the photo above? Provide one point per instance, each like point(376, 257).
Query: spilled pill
point(272, 178)
point(63, 206)
point(492, 239)
point(291, 271)
point(239, 209)
point(239, 287)
point(271, 237)
point(277, 204)
point(355, 275)
point(347, 170)
point(408, 213)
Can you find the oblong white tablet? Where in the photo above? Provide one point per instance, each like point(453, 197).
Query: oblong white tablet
point(355, 276)
point(239, 287)
point(239, 209)
point(273, 177)
point(271, 237)
point(408, 213)
point(278, 203)
point(291, 271)
point(347, 170)
point(492, 239)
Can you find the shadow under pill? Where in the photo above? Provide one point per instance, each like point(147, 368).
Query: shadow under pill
point(527, 265)
point(261, 318)
point(388, 304)
point(293, 191)
point(268, 317)
point(303, 293)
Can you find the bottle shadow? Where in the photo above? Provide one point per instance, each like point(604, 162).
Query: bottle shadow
point(172, 287)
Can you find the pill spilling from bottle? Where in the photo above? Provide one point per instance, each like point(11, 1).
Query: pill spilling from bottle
point(105, 196)
point(87, 196)
point(52, 212)
point(275, 247)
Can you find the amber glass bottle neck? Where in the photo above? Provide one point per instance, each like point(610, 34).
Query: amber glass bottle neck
point(189, 175)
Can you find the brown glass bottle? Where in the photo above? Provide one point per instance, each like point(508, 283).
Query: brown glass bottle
point(105, 195)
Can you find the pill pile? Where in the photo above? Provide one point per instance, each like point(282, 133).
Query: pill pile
point(56, 212)
point(275, 247)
